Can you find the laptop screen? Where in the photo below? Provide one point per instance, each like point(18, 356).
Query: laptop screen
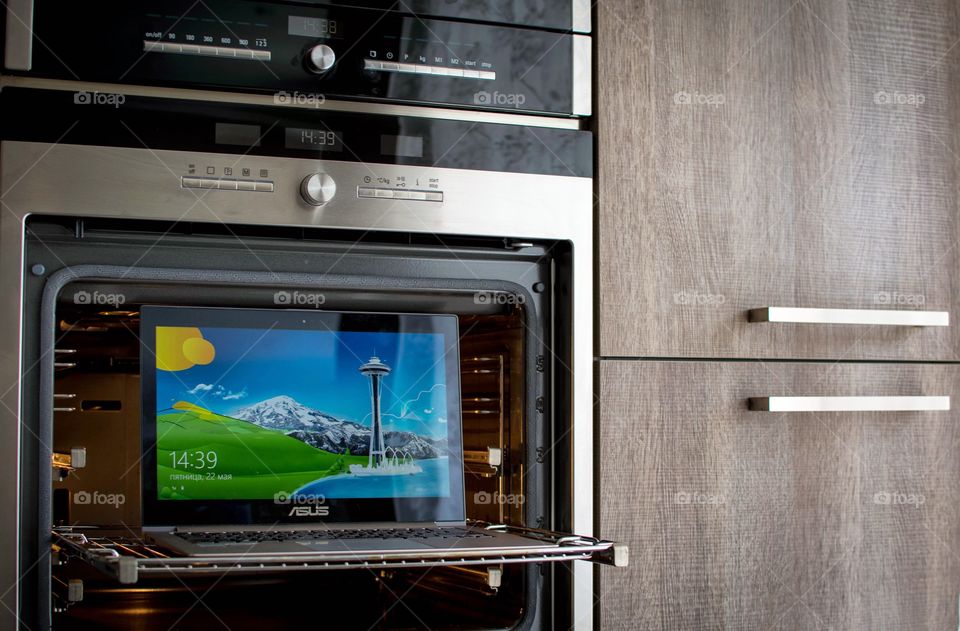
point(255, 416)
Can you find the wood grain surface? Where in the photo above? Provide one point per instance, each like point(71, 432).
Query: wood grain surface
point(776, 153)
point(752, 520)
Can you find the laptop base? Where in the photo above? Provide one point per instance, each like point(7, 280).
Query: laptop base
point(333, 541)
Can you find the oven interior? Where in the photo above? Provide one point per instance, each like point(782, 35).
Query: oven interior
point(96, 412)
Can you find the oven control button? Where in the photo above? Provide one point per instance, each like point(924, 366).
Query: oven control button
point(318, 189)
point(398, 193)
point(321, 58)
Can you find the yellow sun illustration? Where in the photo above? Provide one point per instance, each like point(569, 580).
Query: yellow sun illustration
point(182, 347)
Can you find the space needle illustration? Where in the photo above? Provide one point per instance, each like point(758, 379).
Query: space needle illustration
point(380, 462)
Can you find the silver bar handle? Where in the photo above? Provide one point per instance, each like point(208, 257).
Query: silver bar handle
point(888, 317)
point(18, 52)
point(849, 404)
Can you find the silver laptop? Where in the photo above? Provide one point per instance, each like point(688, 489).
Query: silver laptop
point(275, 432)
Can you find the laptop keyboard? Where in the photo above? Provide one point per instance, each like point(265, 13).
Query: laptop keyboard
point(258, 536)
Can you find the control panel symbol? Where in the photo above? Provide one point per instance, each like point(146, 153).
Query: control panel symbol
point(321, 58)
point(211, 170)
point(228, 170)
point(245, 172)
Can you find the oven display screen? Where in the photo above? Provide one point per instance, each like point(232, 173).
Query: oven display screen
point(313, 27)
point(403, 146)
point(313, 139)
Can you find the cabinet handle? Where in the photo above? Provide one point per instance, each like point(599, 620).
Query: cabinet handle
point(18, 51)
point(850, 316)
point(849, 404)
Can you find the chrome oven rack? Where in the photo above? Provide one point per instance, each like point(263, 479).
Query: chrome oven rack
point(127, 558)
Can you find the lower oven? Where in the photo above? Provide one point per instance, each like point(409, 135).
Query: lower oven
point(198, 204)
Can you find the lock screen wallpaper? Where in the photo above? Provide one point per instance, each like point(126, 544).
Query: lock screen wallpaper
point(280, 414)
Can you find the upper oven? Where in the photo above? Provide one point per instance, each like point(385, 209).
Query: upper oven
point(510, 57)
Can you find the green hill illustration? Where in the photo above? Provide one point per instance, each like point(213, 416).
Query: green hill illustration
point(251, 462)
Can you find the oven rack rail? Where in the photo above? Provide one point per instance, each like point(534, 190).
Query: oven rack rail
point(128, 558)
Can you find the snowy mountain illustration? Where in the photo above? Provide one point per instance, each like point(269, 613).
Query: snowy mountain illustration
point(284, 412)
point(323, 431)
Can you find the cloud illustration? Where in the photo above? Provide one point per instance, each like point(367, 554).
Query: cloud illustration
point(233, 396)
point(204, 390)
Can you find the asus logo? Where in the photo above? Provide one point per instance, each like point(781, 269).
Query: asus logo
point(309, 511)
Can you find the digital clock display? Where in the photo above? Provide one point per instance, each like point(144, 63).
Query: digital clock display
point(312, 27)
point(198, 459)
point(313, 139)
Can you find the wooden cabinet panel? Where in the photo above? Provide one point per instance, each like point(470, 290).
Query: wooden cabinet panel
point(776, 153)
point(753, 520)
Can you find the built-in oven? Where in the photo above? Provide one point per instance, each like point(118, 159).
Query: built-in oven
point(108, 206)
point(528, 57)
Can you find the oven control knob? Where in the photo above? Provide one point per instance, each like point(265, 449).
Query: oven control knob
point(321, 58)
point(318, 189)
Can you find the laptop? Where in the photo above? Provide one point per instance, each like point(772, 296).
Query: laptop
point(277, 432)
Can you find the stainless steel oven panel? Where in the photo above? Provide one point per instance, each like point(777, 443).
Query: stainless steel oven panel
point(147, 184)
point(582, 75)
point(70, 180)
point(580, 14)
